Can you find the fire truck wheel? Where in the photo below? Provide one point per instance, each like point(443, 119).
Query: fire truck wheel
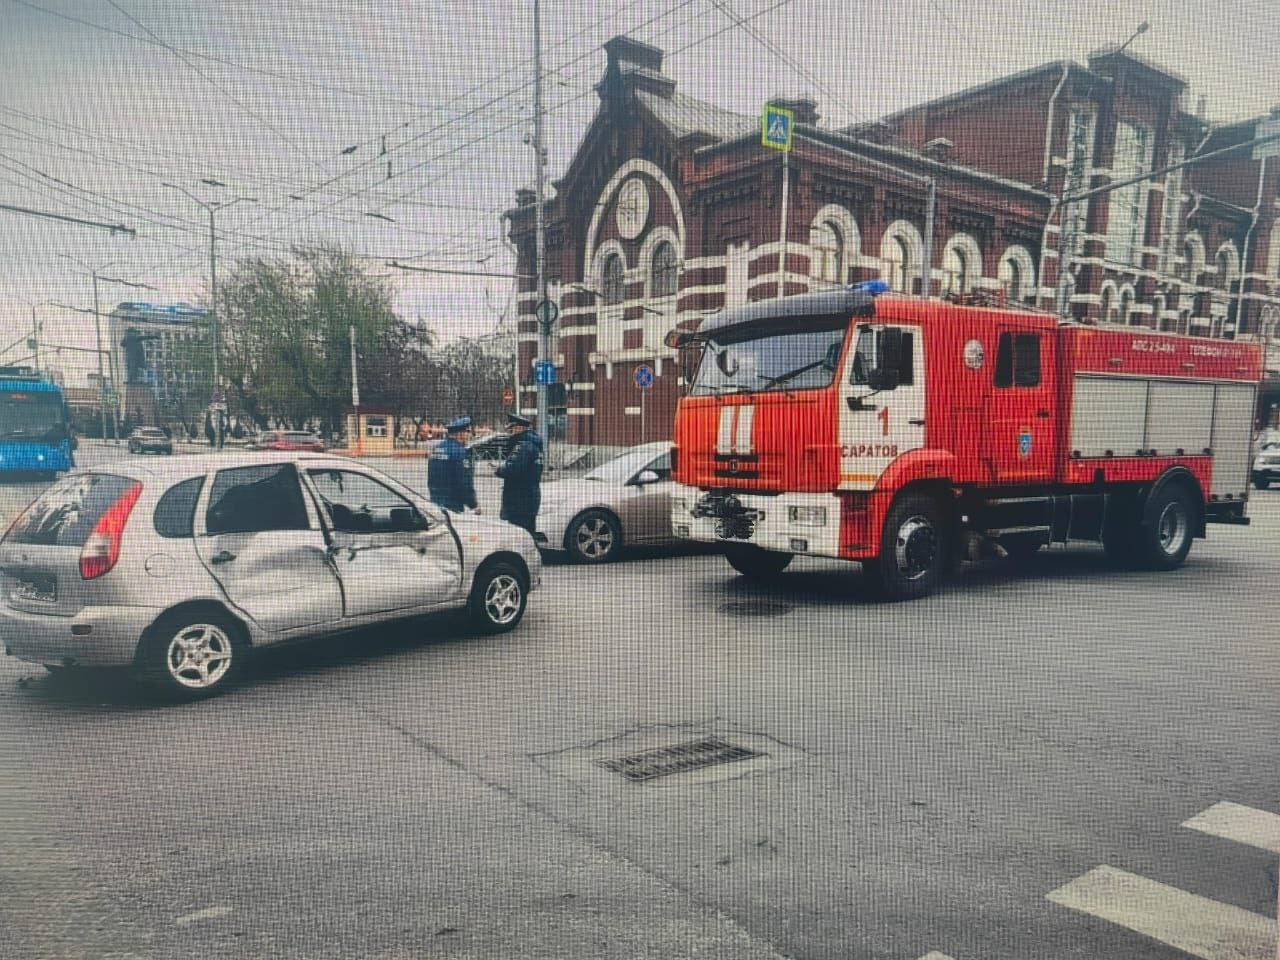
point(914, 549)
point(1163, 543)
point(754, 563)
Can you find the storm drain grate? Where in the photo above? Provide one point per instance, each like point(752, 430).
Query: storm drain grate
point(679, 758)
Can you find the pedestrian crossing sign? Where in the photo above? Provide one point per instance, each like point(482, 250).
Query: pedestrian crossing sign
point(776, 124)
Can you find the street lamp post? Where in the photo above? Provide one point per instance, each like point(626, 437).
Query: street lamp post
point(35, 329)
point(213, 287)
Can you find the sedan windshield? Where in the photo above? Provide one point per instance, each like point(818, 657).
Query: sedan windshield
point(621, 469)
point(787, 360)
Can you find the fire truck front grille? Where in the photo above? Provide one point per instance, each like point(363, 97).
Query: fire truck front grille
point(733, 520)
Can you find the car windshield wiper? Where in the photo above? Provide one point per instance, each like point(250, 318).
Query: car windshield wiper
point(791, 374)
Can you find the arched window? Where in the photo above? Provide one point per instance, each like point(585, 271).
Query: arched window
point(827, 241)
point(898, 264)
point(1226, 264)
point(1017, 274)
point(955, 271)
point(665, 272)
point(1106, 309)
point(613, 285)
point(1126, 305)
point(1192, 257)
point(1011, 280)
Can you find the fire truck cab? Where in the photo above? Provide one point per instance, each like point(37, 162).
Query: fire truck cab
point(907, 434)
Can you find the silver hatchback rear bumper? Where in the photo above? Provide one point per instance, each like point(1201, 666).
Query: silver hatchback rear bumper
point(105, 637)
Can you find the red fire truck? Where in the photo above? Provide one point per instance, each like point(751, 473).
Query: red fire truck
point(908, 434)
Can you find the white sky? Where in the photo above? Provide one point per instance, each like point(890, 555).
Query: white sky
point(264, 97)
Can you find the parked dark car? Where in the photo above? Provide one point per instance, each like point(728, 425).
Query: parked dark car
point(150, 440)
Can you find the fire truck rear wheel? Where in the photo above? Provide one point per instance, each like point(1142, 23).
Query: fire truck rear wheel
point(1163, 542)
point(754, 563)
point(914, 549)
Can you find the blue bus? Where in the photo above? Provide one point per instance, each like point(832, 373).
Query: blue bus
point(35, 430)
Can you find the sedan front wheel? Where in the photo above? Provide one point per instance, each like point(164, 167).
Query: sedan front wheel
point(594, 537)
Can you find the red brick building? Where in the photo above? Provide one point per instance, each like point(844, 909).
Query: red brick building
point(671, 209)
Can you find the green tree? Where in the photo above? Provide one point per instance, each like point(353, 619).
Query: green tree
point(285, 345)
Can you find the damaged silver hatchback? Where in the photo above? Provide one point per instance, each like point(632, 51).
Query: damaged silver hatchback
point(178, 569)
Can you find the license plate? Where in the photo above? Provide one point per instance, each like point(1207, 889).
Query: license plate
point(43, 591)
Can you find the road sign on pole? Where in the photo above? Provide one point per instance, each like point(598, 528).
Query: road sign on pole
point(776, 124)
point(644, 376)
point(508, 397)
point(547, 313)
point(544, 373)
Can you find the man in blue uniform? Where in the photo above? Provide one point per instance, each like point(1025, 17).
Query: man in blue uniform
point(450, 477)
point(521, 474)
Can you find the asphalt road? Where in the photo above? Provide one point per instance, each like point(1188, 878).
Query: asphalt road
point(1056, 761)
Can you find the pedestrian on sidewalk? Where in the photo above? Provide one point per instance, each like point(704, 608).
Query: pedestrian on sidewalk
point(521, 474)
point(450, 471)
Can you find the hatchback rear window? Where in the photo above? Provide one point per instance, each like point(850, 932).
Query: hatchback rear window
point(66, 513)
point(176, 509)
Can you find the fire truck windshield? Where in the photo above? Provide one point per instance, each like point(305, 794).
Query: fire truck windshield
point(770, 360)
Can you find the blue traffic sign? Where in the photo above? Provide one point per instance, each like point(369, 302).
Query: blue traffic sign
point(776, 124)
point(644, 376)
point(544, 372)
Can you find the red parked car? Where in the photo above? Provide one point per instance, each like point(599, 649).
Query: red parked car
point(289, 440)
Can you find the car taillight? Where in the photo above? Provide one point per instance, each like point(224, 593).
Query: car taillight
point(102, 549)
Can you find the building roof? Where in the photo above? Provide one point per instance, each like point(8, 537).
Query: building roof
point(684, 115)
point(1055, 66)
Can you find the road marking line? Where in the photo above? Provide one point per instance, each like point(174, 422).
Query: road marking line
point(1233, 821)
point(935, 955)
point(208, 913)
point(1196, 925)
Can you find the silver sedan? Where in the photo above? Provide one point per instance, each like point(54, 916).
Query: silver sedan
point(626, 500)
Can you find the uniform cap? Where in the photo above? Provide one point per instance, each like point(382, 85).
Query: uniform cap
point(457, 426)
point(515, 420)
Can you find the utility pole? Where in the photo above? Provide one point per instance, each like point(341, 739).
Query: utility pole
point(213, 294)
point(102, 383)
point(355, 395)
point(97, 326)
point(540, 228)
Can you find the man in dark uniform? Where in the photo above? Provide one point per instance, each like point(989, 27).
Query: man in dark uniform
point(521, 474)
point(450, 477)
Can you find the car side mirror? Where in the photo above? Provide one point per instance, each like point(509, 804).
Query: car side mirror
point(646, 477)
point(406, 520)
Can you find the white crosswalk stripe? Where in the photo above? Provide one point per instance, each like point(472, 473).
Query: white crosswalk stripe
point(1186, 921)
point(1242, 824)
point(1196, 925)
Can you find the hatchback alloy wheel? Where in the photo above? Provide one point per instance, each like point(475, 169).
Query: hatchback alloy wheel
point(193, 655)
point(199, 656)
point(502, 599)
point(498, 597)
